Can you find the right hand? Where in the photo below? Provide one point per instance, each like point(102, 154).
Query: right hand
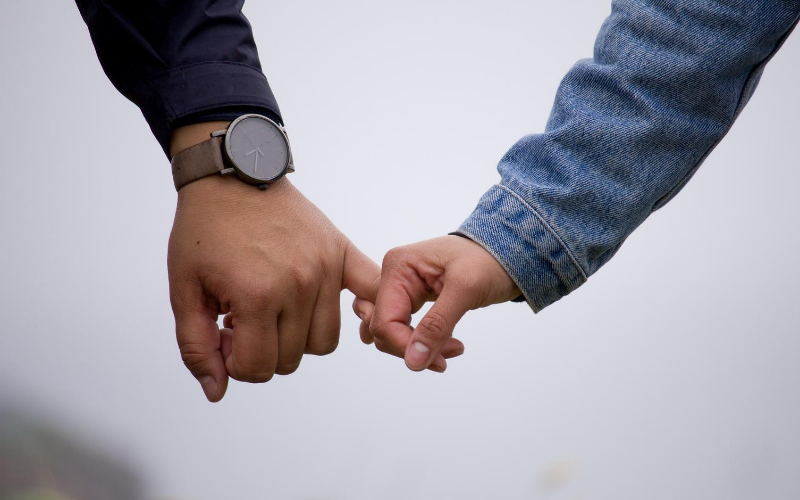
point(456, 273)
point(270, 260)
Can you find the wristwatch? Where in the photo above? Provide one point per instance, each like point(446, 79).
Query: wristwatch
point(253, 147)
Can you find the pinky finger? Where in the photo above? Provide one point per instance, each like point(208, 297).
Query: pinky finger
point(363, 309)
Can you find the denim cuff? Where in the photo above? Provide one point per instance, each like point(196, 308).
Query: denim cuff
point(212, 89)
point(528, 249)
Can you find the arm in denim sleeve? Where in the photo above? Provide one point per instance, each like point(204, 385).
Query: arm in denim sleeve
point(180, 61)
point(627, 131)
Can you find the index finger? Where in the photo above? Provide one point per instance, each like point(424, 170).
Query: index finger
point(391, 318)
point(199, 339)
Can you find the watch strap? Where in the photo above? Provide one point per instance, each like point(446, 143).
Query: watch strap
point(198, 161)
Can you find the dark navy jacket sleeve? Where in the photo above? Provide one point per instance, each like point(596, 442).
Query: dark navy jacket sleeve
point(180, 61)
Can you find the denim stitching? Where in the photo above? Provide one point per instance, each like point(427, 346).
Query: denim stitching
point(552, 231)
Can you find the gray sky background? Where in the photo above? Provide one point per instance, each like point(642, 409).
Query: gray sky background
point(672, 374)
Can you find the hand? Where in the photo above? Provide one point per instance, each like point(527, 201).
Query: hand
point(274, 263)
point(457, 273)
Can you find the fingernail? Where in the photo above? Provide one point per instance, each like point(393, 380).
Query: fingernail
point(362, 316)
point(437, 369)
point(417, 356)
point(209, 387)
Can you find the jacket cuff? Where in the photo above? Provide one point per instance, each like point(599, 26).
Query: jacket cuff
point(218, 89)
point(528, 249)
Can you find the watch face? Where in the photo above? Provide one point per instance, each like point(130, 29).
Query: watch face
point(257, 148)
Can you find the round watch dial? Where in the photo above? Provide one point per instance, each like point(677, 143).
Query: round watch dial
point(257, 148)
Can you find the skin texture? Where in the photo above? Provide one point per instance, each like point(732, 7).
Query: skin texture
point(456, 273)
point(271, 262)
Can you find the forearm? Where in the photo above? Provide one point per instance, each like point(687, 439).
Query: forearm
point(627, 131)
point(180, 62)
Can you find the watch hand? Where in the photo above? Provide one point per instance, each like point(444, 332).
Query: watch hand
point(255, 168)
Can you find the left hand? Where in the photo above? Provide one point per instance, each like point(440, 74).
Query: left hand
point(456, 273)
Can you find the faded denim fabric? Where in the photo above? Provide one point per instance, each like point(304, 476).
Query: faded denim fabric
point(627, 131)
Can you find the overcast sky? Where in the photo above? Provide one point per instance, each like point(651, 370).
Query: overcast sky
point(673, 373)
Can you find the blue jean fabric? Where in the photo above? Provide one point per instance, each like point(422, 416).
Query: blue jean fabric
point(627, 131)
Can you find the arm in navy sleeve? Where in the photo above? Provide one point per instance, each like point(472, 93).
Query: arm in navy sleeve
point(628, 130)
point(181, 62)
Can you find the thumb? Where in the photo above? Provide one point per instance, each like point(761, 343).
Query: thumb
point(360, 275)
point(435, 330)
point(200, 343)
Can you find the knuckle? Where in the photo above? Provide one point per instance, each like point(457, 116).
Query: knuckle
point(386, 349)
point(263, 303)
point(322, 348)
point(249, 372)
point(288, 369)
point(235, 281)
point(258, 300)
point(302, 279)
point(254, 292)
point(252, 377)
point(378, 329)
point(254, 288)
point(432, 327)
point(393, 257)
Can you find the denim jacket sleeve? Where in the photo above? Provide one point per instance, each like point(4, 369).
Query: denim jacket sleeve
point(180, 61)
point(627, 131)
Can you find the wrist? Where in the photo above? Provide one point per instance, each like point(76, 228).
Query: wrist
point(189, 135)
point(503, 287)
point(226, 194)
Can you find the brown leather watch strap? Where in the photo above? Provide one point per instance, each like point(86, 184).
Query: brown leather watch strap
point(198, 161)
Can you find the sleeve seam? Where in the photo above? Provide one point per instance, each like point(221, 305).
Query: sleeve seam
point(167, 106)
point(172, 115)
point(549, 228)
point(194, 65)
